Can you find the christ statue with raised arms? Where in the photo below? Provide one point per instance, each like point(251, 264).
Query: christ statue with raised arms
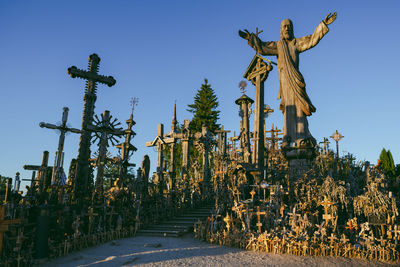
point(295, 103)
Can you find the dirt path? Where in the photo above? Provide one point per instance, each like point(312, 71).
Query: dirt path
point(186, 251)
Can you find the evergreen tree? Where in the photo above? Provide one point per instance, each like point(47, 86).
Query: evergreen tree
point(391, 169)
point(204, 109)
point(386, 163)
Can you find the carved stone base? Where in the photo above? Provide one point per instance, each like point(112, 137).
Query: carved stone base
point(299, 160)
point(298, 167)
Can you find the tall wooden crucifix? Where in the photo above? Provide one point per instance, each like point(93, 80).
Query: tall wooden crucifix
point(222, 139)
point(173, 136)
point(58, 163)
point(257, 73)
point(186, 137)
point(159, 143)
point(41, 171)
point(206, 139)
point(81, 183)
point(244, 103)
point(126, 148)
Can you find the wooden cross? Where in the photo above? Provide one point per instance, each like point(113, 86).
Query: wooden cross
point(351, 226)
point(257, 73)
point(206, 139)
point(396, 232)
point(382, 241)
point(228, 221)
point(63, 128)
point(293, 217)
point(159, 143)
point(259, 224)
point(4, 225)
point(326, 205)
point(314, 238)
point(172, 139)
point(41, 170)
point(32, 180)
point(332, 239)
point(274, 139)
point(326, 145)
point(81, 183)
point(126, 148)
point(222, 138)
point(343, 239)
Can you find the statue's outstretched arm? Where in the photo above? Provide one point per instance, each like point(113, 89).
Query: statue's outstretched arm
point(309, 41)
point(330, 18)
point(263, 48)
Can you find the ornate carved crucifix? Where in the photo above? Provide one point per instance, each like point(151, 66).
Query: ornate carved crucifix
point(81, 183)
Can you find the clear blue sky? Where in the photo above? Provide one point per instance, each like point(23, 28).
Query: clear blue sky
point(161, 51)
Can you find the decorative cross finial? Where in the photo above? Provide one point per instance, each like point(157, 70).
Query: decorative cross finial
point(258, 32)
point(242, 86)
point(134, 102)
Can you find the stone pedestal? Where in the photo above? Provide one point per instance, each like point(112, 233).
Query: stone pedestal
point(299, 161)
point(298, 167)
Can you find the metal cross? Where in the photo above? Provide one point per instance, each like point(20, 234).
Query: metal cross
point(134, 103)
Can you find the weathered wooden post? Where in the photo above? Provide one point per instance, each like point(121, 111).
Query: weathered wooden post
point(41, 171)
point(244, 102)
point(257, 73)
point(58, 163)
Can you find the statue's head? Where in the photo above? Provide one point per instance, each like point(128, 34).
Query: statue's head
point(287, 29)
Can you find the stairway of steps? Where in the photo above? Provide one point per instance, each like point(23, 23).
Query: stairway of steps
point(179, 225)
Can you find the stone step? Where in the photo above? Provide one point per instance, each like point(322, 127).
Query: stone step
point(170, 233)
point(190, 217)
point(177, 222)
point(178, 225)
point(198, 213)
point(168, 227)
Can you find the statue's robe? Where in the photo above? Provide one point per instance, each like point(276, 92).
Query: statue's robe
point(295, 103)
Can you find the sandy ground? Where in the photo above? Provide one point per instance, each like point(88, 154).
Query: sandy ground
point(186, 251)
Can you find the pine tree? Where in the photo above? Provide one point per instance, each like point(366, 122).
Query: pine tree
point(386, 163)
point(391, 169)
point(204, 109)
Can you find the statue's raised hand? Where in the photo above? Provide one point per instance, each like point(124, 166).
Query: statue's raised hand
point(330, 18)
point(244, 34)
